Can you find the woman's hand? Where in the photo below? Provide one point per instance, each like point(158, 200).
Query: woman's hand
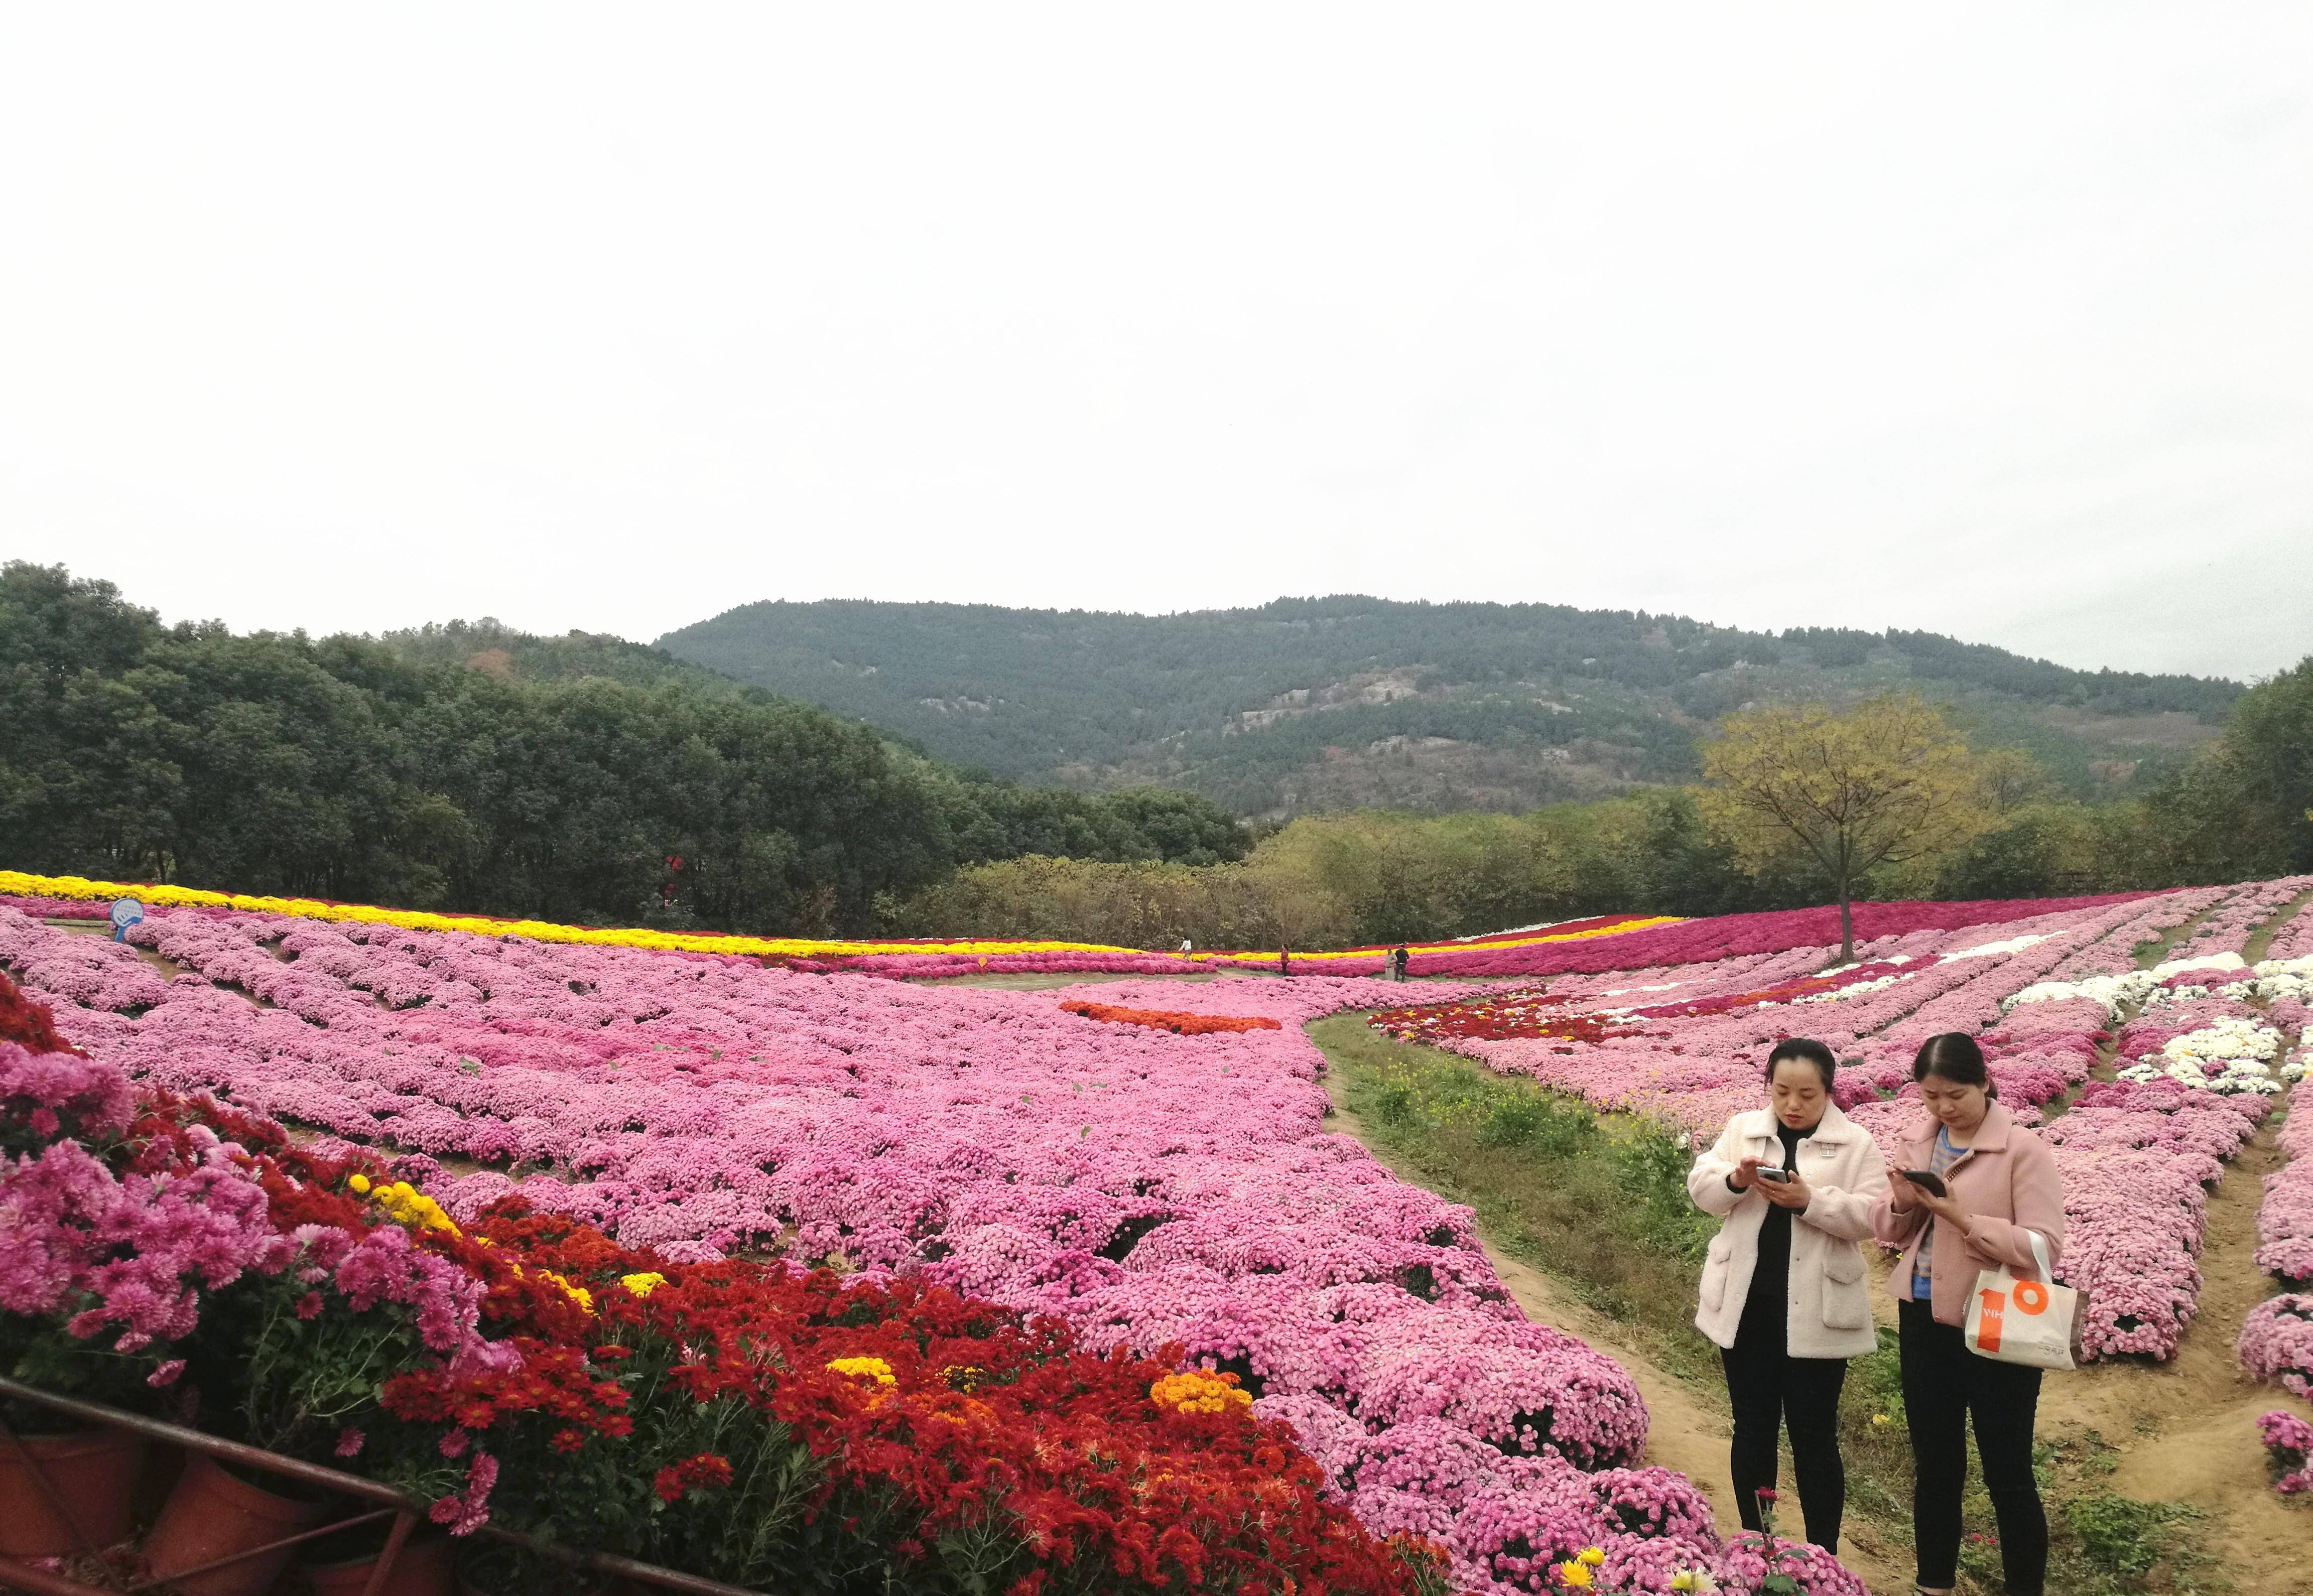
point(1902, 1197)
point(1947, 1208)
point(1746, 1175)
point(1792, 1194)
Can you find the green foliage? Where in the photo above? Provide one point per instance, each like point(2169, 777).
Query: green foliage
point(1513, 1121)
point(357, 770)
point(2123, 1542)
point(1886, 785)
point(1651, 1163)
point(1599, 1202)
point(2245, 806)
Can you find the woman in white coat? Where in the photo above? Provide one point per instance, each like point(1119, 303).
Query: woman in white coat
point(1784, 1291)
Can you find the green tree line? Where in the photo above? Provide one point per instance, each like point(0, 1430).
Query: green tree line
point(476, 769)
point(2242, 809)
point(363, 770)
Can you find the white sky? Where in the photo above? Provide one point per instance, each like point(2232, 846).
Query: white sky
point(1995, 321)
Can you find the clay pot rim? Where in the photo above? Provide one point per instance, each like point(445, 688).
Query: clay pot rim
point(254, 1500)
point(67, 1442)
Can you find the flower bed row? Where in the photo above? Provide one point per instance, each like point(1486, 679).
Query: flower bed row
point(1692, 1054)
point(2284, 1220)
point(1731, 936)
point(17, 886)
point(1173, 1020)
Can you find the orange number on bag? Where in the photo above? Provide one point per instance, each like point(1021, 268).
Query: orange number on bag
point(2031, 1296)
point(1987, 1323)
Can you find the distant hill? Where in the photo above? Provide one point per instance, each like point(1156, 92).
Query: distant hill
point(1306, 705)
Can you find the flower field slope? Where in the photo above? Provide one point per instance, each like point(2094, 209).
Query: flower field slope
point(745, 1421)
point(2198, 1048)
point(1142, 1161)
point(1172, 1195)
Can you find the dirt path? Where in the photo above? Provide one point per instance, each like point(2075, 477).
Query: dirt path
point(2185, 1429)
point(169, 968)
point(1687, 1429)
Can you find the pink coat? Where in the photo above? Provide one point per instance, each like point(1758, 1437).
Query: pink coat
point(2007, 1179)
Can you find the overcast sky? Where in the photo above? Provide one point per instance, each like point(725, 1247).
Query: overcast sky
point(1995, 320)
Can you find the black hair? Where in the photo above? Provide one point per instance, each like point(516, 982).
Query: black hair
point(1954, 1055)
point(1808, 1048)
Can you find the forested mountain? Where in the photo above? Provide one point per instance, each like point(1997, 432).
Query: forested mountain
point(475, 768)
point(1308, 705)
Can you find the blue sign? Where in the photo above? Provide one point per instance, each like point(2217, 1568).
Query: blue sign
point(125, 913)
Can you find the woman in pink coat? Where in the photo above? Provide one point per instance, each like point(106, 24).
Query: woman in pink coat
point(2001, 1186)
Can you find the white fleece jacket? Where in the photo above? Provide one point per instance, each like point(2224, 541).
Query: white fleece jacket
point(1830, 1304)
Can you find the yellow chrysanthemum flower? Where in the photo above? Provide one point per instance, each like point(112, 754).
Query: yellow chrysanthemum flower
point(577, 1293)
point(1592, 1556)
point(1194, 1390)
point(1575, 1574)
point(875, 1369)
point(360, 1183)
point(642, 1285)
point(408, 1206)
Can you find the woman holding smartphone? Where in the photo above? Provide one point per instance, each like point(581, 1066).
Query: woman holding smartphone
point(1973, 1186)
point(1783, 1293)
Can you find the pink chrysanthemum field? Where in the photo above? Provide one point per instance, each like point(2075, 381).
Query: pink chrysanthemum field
point(1094, 1156)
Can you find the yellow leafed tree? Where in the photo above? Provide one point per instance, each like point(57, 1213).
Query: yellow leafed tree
point(1887, 782)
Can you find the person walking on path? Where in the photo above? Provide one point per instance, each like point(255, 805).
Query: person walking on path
point(1784, 1297)
point(1398, 960)
point(2000, 1188)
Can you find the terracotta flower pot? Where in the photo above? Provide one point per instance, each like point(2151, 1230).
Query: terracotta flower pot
point(210, 1515)
point(426, 1566)
point(93, 1472)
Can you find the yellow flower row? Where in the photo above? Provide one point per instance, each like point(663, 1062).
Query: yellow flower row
point(406, 1206)
point(412, 1209)
point(15, 883)
point(1617, 929)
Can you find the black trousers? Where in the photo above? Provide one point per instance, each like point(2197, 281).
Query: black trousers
point(1944, 1385)
point(1767, 1387)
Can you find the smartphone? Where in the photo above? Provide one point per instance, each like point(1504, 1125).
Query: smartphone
point(1926, 1180)
point(1766, 1173)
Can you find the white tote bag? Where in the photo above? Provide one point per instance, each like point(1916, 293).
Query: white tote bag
point(2025, 1321)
